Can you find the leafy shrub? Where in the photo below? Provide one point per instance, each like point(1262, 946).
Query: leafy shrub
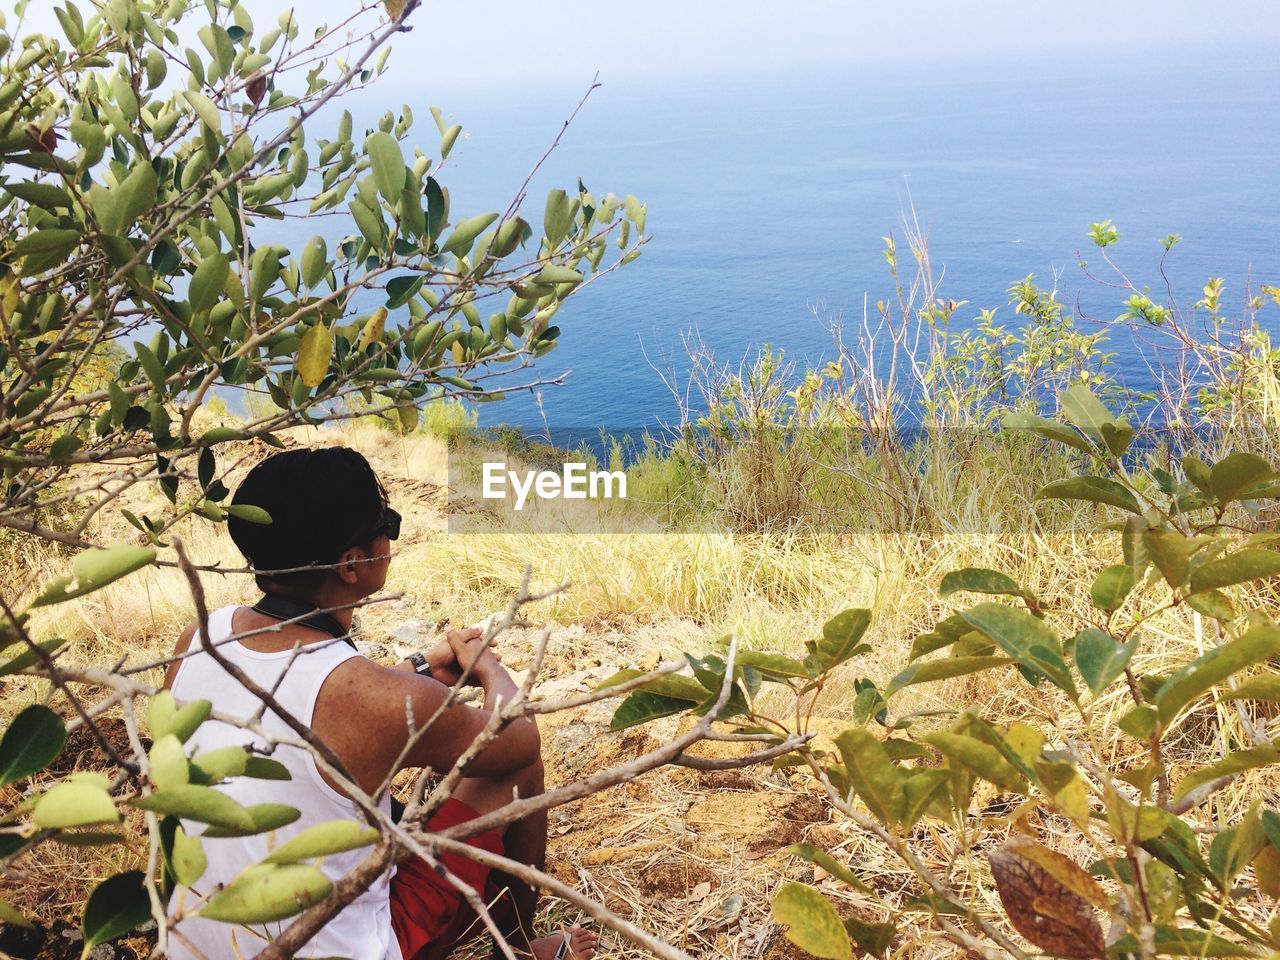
point(1158, 881)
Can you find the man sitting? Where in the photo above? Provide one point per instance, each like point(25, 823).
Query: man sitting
point(329, 511)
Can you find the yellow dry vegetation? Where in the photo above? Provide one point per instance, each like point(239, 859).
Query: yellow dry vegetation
point(693, 856)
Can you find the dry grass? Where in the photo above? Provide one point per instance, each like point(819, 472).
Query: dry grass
point(693, 857)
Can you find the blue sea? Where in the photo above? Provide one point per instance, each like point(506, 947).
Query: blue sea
point(768, 197)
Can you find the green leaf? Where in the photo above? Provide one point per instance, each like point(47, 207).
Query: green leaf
point(1198, 473)
point(264, 816)
point(265, 893)
point(932, 903)
point(248, 512)
point(117, 208)
point(943, 669)
point(979, 758)
point(209, 282)
point(1171, 553)
point(34, 738)
point(202, 804)
point(11, 915)
point(872, 774)
point(413, 219)
point(315, 261)
point(164, 716)
point(187, 859)
point(94, 569)
point(1258, 644)
point(264, 270)
point(448, 140)
point(839, 642)
point(1264, 687)
point(1236, 473)
point(218, 764)
point(437, 208)
point(1233, 763)
point(169, 763)
point(1085, 411)
point(947, 632)
point(52, 242)
point(1135, 549)
point(388, 165)
point(1093, 489)
point(39, 194)
point(1232, 849)
point(874, 938)
point(400, 290)
point(1117, 437)
point(1018, 420)
point(979, 580)
point(511, 233)
point(204, 108)
point(553, 274)
point(1100, 659)
point(1081, 407)
point(921, 788)
point(74, 804)
point(1111, 587)
point(1139, 723)
point(673, 686)
point(774, 666)
point(637, 212)
point(31, 656)
point(812, 922)
point(828, 863)
point(151, 364)
point(1025, 638)
point(1239, 567)
point(557, 217)
point(465, 233)
point(323, 839)
point(1182, 942)
point(219, 435)
point(369, 222)
point(641, 707)
point(115, 907)
point(1212, 603)
point(264, 768)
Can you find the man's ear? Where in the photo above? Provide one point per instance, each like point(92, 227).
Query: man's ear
point(349, 565)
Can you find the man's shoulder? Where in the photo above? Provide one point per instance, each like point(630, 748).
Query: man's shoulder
point(179, 650)
point(366, 681)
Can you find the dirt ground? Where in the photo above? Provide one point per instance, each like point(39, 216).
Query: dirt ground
point(692, 856)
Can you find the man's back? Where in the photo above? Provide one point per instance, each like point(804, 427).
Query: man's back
point(362, 929)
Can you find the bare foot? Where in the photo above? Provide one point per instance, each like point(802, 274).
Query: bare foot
point(582, 944)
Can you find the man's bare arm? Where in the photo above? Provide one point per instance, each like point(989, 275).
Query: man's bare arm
point(453, 732)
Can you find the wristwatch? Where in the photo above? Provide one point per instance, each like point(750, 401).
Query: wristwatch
point(420, 664)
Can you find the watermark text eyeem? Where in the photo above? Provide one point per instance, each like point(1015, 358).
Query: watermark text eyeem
point(573, 482)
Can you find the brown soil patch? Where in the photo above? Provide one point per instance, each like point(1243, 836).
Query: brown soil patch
point(762, 822)
point(674, 879)
point(63, 941)
point(83, 751)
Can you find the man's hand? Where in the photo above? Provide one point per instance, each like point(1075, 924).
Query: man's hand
point(472, 654)
point(447, 665)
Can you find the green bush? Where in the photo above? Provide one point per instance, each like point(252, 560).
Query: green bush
point(1159, 880)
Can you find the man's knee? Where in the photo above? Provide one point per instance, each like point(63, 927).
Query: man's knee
point(532, 779)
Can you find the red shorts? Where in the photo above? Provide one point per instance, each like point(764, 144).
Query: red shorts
point(429, 917)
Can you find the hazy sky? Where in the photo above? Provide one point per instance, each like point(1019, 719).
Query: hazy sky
point(558, 37)
point(456, 44)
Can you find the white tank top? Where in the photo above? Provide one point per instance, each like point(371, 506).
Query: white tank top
point(363, 930)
